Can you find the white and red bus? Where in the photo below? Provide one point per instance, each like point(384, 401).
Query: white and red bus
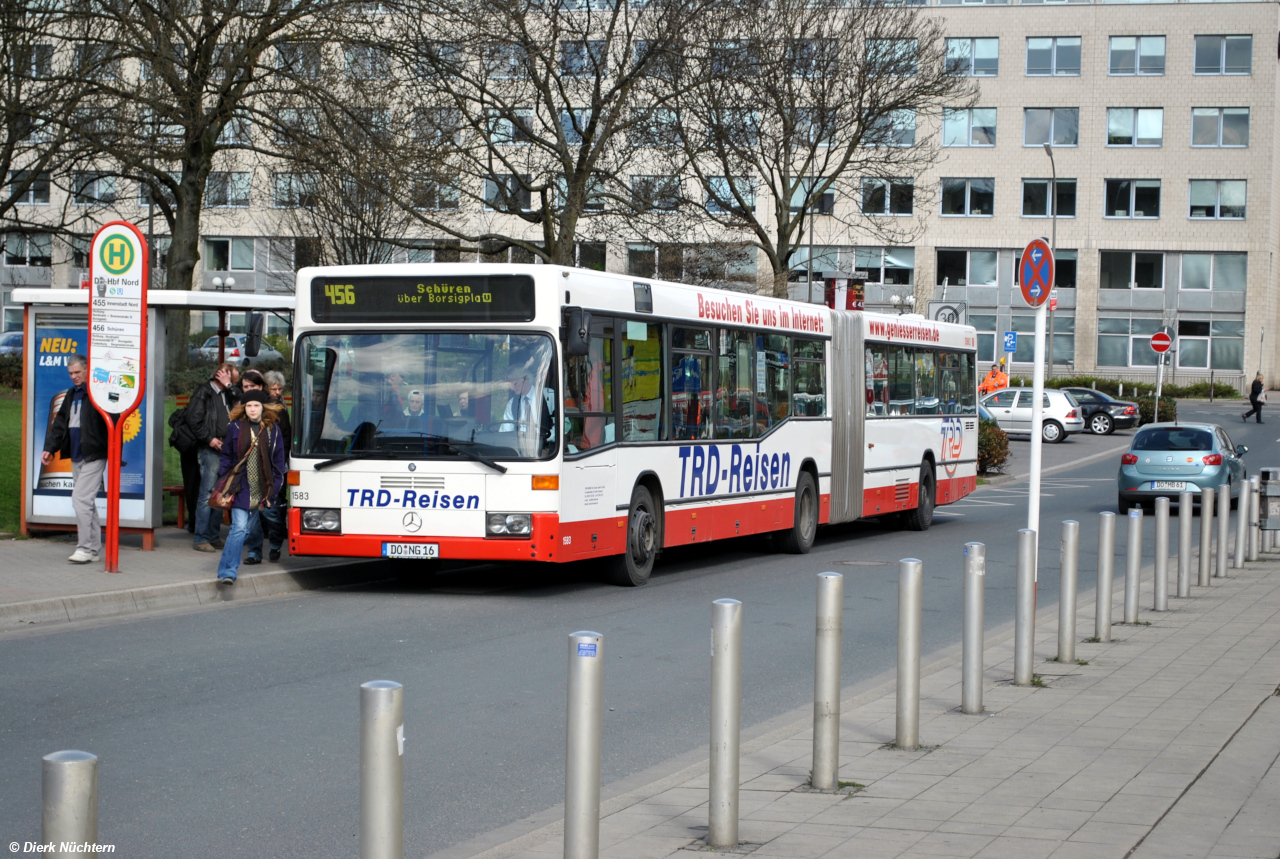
point(540, 413)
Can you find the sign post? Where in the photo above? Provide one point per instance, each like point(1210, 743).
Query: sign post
point(1035, 278)
point(118, 267)
point(1160, 343)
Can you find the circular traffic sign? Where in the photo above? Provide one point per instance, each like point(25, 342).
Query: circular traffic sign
point(1161, 342)
point(1035, 272)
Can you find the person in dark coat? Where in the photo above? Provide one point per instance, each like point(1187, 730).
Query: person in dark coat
point(272, 519)
point(253, 436)
point(206, 418)
point(1256, 399)
point(79, 434)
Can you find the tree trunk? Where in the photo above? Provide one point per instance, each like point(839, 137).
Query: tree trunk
point(780, 283)
point(184, 253)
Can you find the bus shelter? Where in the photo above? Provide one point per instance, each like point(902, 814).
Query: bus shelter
point(55, 326)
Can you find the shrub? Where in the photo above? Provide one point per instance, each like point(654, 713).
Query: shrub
point(993, 447)
point(1132, 390)
point(10, 371)
point(1146, 409)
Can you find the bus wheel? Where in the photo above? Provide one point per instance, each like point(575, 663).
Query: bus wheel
point(921, 517)
point(632, 568)
point(799, 539)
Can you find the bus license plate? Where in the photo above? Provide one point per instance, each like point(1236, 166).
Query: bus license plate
point(1168, 484)
point(425, 551)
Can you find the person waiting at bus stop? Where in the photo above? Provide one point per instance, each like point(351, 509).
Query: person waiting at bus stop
point(79, 433)
point(996, 380)
point(207, 416)
point(270, 524)
point(251, 462)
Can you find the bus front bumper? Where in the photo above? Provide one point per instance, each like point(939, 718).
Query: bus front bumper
point(541, 545)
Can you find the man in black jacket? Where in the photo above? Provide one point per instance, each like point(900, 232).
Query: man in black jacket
point(79, 433)
point(207, 417)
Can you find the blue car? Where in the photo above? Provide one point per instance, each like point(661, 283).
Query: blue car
point(1168, 459)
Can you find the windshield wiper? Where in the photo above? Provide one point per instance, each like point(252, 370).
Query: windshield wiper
point(359, 454)
point(453, 446)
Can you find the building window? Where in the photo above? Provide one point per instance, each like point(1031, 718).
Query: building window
point(367, 63)
point(658, 126)
point(1223, 199)
point(894, 57)
point(973, 57)
point(228, 254)
point(888, 196)
point(296, 125)
point(33, 61)
point(506, 192)
point(93, 189)
point(893, 266)
point(896, 128)
point(434, 195)
point(30, 249)
point(1064, 268)
point(582, 59)
point(1135, 126)
point(294, 190)
point(1130, 270)
point(1036, 198)
point(985, 323)
point(971, 197)
point(513, 125)
point(1220, 126)
point(1224, 55)
point(973, 127)
point(655, 193)
point(966, 268)
point(224, 189)
point(1059, 126)
point(299, 59)
point(1132, 198)
point(824, 204)
point(731, 195)
point(162, 195)
point(507, 60)
point(1137, 55)
point(235, 133)
point(573, 123)
point(1124, 342)
point(1056, 56)
point(1210, 344)
point(1220, 272)
point(35, 194)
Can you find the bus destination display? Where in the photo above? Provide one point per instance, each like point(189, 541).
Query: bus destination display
point(436, 298)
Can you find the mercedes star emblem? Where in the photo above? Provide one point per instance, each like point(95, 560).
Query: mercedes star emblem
point(412, 521)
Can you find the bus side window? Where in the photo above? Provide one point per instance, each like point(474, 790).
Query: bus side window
point(809, 377)
point(968, 384)
point(926, 399)
point(949, 381)
point(735, 381)
point(901, 386)
point(773, 404)
point(588, 392)
point(877, 361)
point(642, 375)
point(690, 383)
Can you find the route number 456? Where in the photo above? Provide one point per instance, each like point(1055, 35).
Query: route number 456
point(340, 293)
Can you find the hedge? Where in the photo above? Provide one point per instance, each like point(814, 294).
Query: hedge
point(1132, 390)
point(993, 447)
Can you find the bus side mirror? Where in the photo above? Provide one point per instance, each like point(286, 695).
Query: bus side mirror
point(253, 325)
point(577, 333)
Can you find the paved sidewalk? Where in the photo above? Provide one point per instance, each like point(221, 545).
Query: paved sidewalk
point(1165, 744)
point(39, 586)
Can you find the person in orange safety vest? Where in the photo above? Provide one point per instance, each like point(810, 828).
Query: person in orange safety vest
point(996, 380)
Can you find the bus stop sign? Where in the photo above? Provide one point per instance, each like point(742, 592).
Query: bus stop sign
point(1035, 272)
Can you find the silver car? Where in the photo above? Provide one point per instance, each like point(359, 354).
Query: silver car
point(235, 351)
point(1012, 410)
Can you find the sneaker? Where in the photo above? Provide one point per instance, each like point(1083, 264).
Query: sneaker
point(218, 544)
point(205, 547)
point(273, 555)
point(80, 556)
point(226, 580)
point(252, 561)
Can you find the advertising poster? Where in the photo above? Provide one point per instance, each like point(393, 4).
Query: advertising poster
point(54, 345)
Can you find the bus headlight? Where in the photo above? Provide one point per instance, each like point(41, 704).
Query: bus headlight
point(322, 520)
point(508, 524)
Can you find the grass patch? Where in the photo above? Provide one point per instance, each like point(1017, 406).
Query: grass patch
point(850, 784)
point(1037, 680)
point(10, 460)
point(1094, 640)
point(1082, 662)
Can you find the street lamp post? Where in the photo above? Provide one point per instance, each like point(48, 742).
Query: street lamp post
point(1053, 246)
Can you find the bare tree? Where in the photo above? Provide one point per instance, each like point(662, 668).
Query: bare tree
point(536, 111)
point(803, 103)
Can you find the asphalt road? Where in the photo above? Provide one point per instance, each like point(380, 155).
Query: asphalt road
point(232, 731)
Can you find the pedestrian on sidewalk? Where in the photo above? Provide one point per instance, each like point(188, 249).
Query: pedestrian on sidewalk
point(1257, 398)
point(207, 416)
point(272, 519)
point(251, 460)
point(79, 434)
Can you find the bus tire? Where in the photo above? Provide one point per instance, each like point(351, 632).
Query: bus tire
point(920, 518)
point(632, 568)
point(798, 540)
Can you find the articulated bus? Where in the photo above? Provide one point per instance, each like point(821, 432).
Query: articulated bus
point(541, 413)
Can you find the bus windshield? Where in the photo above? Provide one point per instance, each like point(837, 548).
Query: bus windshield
point(426, 395)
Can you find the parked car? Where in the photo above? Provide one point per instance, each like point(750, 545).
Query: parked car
point(11, 343)
point(235, 351)
point(1104, 414)
point(1011, 409)
point(1167, 459)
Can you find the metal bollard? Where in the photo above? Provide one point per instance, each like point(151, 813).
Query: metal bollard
point(69, 799)
point(910, 596)
point(1242, 526)
point(826, 682)
point(1206, 537)
point(975, 582)
point(381, 770)
point(726, 722)
point(582, 746)
point(1024, 619)
point(1255, 533)
point(1186, 509)
point(1133, 565)
point(1106, 565)
point(1162, 555)
point(1224, 529)
point(1067, 579)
